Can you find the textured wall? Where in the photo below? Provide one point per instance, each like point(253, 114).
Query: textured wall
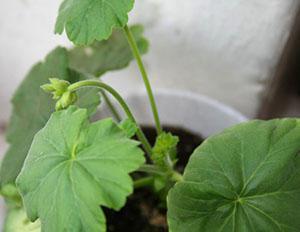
point(221, 48)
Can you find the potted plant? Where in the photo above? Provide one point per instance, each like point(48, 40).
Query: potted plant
point(68, 171)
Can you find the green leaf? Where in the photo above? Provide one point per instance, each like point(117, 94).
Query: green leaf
point(17, 221)
point(244, 179)
point(87, 20)
point(32, 108)
point(111, 54)
point(164, 148)
point(129, 127)
point(73, 167)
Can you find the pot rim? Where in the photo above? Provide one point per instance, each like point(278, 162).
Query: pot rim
point(227, 109)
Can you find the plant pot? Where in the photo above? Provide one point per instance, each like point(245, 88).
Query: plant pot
point(192, 112)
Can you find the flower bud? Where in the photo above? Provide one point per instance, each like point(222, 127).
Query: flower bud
point(57, 87)
point(48, 88)
point(67, 99)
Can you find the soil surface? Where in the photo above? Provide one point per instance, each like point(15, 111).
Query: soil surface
point(143, 211)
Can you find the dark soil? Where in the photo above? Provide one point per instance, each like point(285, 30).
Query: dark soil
point(143, 212)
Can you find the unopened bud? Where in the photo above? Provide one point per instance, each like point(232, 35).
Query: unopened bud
point(48, 88)
point(57, 87)
point(67, 99)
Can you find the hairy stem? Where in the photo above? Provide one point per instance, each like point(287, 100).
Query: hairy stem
point(177, 176)
point(110, 105)
point(151, 169)
point(141, 66)
point(146, 181)
point(123, 104)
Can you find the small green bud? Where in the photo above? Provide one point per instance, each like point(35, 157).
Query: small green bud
point(60, 92)
point(48, 88)
point(57, 87)
point(67, 99)
point(58, 106)
point(59, 84)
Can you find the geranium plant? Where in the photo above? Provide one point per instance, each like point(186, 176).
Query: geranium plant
point(62, 167)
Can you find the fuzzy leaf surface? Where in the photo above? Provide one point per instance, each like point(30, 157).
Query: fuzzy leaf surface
point(111, 54)
point(129, 127)
point(244, 179)
point(32, 108)
point(75, 166)
point(88, 20)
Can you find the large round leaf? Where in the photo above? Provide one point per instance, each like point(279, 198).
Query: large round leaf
point(89, 20)
point(107, 55)
point(73, 167)
point(244, 179)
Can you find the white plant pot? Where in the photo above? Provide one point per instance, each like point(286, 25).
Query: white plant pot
point(195, 113)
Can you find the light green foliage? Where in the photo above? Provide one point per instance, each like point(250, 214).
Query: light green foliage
point(73, 167)
point(164, 149)
point(17, 221)
point(87, 20)
point(244, 179)
point(129, 127)
point(32, 108)
point(111, 54)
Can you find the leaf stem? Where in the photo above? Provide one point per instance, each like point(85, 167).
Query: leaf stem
point(146, 181)
point(177, 176)
point(141, 66)
point(92, 83)
point(151, 169)
point(110, 105)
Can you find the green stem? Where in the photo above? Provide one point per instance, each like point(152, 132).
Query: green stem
point(177, 176)
point(146, 181)
point(112, 108)
point(117, 96)
point(138, 58)
point(151, 169)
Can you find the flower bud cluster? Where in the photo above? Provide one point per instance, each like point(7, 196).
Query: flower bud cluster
point(59, 89)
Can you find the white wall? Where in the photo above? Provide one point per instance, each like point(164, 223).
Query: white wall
point(3, 147)
point(221, 48)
